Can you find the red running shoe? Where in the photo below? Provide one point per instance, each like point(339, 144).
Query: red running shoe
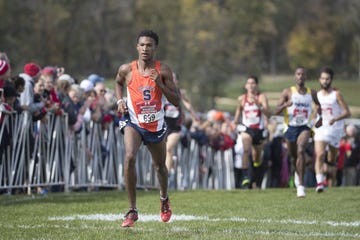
point(320, 187)
point(130, 218)
point(165, 210)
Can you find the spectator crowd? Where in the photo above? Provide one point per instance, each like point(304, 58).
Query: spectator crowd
point(41, 91)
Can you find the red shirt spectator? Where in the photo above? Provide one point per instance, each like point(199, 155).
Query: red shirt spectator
point(344, 150)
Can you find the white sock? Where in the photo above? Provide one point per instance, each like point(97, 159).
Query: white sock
point(319, 178)
point(163, 198)
point(296, 179)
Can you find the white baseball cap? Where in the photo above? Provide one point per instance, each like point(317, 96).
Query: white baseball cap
point(86, 85)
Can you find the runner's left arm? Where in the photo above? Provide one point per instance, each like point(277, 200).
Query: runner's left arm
point(167, 84)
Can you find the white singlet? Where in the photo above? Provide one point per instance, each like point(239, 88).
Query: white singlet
point(298, 114)
point(330, 109)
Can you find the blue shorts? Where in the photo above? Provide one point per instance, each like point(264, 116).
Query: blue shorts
point(292, 133)
point(146, 136)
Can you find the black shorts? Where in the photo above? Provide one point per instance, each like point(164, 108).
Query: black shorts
point(256, 135)
point(173, 128)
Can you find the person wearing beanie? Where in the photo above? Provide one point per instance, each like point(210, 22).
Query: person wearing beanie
point(4, 67)
point(4, 72)
point(31, 75)
point(4, 57)
point(32, 69)
point(49, 70)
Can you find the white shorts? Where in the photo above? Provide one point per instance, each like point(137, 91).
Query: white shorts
point(330, 135)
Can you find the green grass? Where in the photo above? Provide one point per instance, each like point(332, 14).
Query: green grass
point(238, 214)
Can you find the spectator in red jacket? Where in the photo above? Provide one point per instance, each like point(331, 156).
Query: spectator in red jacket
point(344, 152)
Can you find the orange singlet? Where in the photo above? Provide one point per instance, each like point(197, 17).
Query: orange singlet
point(145, 100)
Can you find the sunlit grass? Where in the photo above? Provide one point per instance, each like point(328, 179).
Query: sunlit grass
point(216, 214)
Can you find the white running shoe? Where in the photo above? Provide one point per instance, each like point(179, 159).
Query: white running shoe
point(300, 191)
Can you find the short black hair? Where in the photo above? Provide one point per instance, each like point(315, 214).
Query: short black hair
point(18, 81)
point(148, 33)
point(327, 70)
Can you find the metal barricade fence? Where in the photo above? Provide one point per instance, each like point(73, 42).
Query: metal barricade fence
point(6, 118)
point(50, 154)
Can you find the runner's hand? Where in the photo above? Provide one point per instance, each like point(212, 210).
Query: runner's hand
point(154, 75)
point(122, 107)
point(318, 122)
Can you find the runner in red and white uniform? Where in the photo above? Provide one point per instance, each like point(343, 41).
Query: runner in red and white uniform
point(254, 109)
point(327, 137)
point(148, 84)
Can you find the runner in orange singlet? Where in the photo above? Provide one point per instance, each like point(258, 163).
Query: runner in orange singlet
point(148, 84)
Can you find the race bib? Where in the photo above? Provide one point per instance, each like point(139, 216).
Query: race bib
point(300, 116)
point(253, 120)
point(148, 117)
point(252, 117)
point(300, 120)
